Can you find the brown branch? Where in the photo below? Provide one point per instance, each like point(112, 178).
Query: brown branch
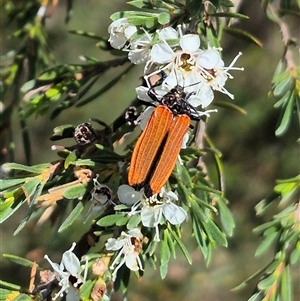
point(286, 37)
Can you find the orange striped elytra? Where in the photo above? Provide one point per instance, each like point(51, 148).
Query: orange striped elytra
point(157, 149)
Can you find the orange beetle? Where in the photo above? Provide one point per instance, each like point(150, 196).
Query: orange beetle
point(156, 151)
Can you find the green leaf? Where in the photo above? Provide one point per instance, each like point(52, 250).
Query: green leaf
point(84, 162)
point(263, 227)
point(89, 35)
point(182, 175)
point(109, 220)
point(286, 284)
point(286, 116)
point(10, 285)
point(136, 18)
point(7, 183)
point(281, 66)
point(86, 289)
point(70, 159)
point(243, 35)
point(201, 239)
point(6, 204)
point(265, 244)
point(75, 191)
point(7, 213)
point(71, 218)
point(266, 282)
point(133, 221)
point(287, 187)
point(164, 255)
point(181, 245)
point(23, 297)
point(163, 18)
point(206, 188)
point(30, 187)
point(230, 15)
point(32, 169)
point(225, 216)
point(295, 255)
point(256, 297)
point(183, 193)
point(203, 203)
point(214, 233)
point(264, 204)
point(227, 3)
point(28, 86)
point(19, 260)
point(171, 244)
point(231, 106)
point(252, 277)
point(3, 294)
point(282, 83)
point(139, 3)
point(122, 220)
point(63, 131)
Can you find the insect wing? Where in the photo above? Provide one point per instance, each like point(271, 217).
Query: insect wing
point(169, 155)
point(148, 145)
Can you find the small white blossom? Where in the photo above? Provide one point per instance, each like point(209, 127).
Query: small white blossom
point(120, 32)
point(156, 209)
point(214, 71)
point(139, 49)
point(199, 71)
point(69, 266)
point(129, 246)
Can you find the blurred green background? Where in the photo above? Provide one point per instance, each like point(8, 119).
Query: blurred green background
point(253, 157)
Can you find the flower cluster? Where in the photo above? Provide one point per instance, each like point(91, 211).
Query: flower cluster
point(154, 210)
point(179, 56)
point(69, 266)
point(129, 246)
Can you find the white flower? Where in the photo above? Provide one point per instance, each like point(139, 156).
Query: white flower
point(139, 49)
point(183, 58)
point(214, 71)
point(156, 209)
point(120, 32)
point(199, 71)
point(69, 266)
point(159, 206)
point(129, 246)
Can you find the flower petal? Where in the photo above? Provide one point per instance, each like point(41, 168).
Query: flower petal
point(174, 214)
point(210, 59)
point(150, 216)
point(168, 33)
point(128, 195)
point(161, 53)
point(190, 42)
point(142, 93)
point(131, 261)
point(71, 263)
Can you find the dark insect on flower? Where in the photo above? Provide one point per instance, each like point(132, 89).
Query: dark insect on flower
point(84, 134)
point(176, 101)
